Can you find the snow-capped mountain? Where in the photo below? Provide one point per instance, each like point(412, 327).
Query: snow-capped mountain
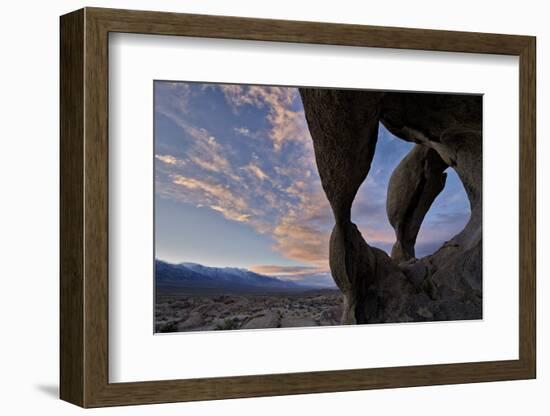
point(197, 276)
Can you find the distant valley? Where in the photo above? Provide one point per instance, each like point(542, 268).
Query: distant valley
point(193, 297)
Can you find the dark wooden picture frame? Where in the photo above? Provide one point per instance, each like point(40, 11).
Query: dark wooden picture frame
point(84, 207)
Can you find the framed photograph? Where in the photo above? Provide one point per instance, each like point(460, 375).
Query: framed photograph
point(257, 207)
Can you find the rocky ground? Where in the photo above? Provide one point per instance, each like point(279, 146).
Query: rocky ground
point(204, 312)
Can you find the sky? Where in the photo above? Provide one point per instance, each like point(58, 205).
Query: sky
point(236, 184)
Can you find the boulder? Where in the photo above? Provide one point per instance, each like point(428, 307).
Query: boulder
point(265, 320)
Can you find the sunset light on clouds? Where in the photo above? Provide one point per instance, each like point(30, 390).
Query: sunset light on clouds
point(236, 184)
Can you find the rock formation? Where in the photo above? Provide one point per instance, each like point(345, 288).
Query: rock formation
point(447, 131)
point(413, 187)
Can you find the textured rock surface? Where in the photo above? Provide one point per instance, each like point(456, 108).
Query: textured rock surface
point(177, 311)
point(345, 126)
point(413, 187)
point(447, 129)
point(267, 320)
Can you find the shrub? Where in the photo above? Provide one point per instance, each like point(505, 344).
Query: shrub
point(228, 324)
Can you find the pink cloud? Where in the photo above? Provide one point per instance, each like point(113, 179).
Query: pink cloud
point(170, 160)
point(286, 123)
point(275, 270)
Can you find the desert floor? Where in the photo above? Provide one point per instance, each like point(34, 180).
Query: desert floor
point(181, 312)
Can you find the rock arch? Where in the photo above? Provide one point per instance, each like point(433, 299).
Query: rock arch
point(447, 132)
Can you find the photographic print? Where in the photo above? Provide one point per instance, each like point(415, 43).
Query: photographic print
point(281, 206)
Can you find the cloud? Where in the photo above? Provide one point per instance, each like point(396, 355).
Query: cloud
point(230, 214)
point(289, 207)
point(239, 95)
point(275, 270)
point(170, 160)
point(256, 171)
point(303, 219)
point(211, 163)
point(277, 193)
point(212, 189)
point(203, 150)
point(287, 124)
point(301, 242)
point(243, 131)
point(216, 196)
point(173, 95)
point(300, 230)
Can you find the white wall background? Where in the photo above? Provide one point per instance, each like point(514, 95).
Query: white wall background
point(29, 159)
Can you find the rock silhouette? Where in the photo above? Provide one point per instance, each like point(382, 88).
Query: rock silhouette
point(447, 131)
point(413, 187)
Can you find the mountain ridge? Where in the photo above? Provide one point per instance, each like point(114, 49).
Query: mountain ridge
point(197, 277)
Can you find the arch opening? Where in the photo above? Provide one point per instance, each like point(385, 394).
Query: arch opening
point(446, 217)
